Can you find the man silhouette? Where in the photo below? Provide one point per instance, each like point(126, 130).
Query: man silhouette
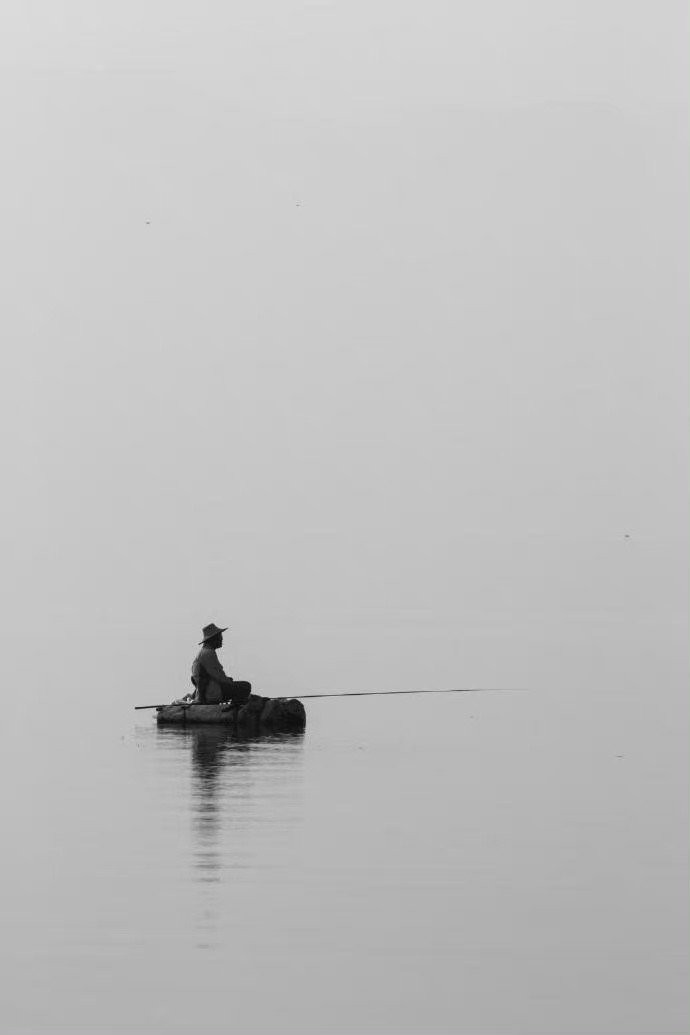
point(208, 676)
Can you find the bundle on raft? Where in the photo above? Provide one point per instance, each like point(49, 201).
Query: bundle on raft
point(270, 714)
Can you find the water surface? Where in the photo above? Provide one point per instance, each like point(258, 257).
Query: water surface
point(477, 864)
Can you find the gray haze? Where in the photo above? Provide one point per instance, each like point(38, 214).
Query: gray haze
point(360, 328)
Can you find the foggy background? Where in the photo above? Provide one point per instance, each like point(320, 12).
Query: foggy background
point(357, 327)
point(360, 328)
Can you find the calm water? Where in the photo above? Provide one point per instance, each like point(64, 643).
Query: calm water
point(478, 863)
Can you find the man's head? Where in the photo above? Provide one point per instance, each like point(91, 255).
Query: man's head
point(213, 636)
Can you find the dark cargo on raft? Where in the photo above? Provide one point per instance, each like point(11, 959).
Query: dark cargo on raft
point(269, 714)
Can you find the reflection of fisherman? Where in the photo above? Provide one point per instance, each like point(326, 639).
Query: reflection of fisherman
point(208, 745)
point(212, 684)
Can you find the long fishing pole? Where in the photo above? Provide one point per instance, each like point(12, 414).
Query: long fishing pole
point(362, 693)
point(382, 693)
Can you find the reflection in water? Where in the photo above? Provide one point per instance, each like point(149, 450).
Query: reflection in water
point(208, 750)
point(241, 787)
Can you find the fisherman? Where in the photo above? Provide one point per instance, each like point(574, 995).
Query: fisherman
point(210, 681)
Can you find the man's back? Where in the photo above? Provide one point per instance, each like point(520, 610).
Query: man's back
point(208, 676)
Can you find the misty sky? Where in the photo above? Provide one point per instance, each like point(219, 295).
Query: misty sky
point(315, 313)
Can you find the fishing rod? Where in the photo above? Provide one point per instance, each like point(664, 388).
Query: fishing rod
point(383, 693)
point(362, 693)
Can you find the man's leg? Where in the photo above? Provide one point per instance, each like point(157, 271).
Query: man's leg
point(240, 691)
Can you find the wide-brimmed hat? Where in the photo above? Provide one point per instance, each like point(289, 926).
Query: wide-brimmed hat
point(210, 631)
